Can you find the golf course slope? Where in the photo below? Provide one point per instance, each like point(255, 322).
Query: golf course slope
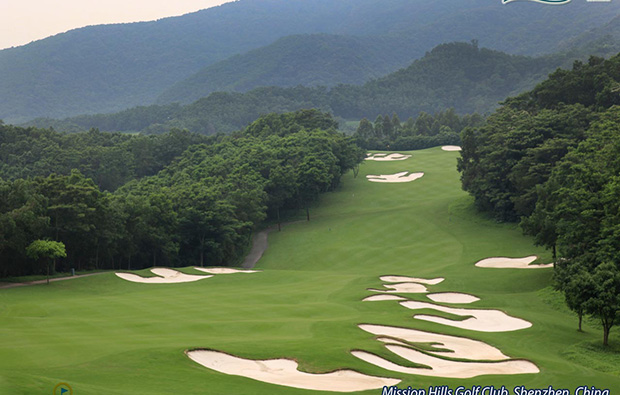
point(305, 306)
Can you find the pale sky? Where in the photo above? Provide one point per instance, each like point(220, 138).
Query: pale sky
point(23, 21)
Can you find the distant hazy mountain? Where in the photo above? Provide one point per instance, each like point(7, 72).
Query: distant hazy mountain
point(309, 60)
point(458, 75)
point(604, 40)
point(111, 67)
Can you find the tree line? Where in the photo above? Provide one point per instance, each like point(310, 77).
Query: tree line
point(199, 209)
point(442, 128)
point(549, 158)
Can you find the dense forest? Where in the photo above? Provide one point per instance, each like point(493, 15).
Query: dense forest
point(174, 199)
point(550, 158)
point(107, 68)
point(109, 159)
point(456, 75)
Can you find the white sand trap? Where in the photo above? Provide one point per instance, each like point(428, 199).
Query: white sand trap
point(398, 177)
point(481, 320)
point(451, 148)
point(511, 263)
point(460, 347)
point(166, 276)
point(452, 297)
point(284, 372)
point(223, 270)
point(405, 288)
point(402, 279)
point(387, 158)
point(445, 368)
point(377, 298)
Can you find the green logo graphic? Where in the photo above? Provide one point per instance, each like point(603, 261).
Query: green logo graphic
point(555, 2)
point(63, 389)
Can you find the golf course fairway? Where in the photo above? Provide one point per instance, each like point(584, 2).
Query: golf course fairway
point(104, 335)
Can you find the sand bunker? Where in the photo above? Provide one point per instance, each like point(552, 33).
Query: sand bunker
point(406, 288)
point(451, 148)
point(387, 158)
point(377, 298)
point(447, 346)
point(452, 297)
point(511, 263)
point(402, 279)
point(398, 177)
point(166, 276)
point(223, 270)
point(284, 372)
point(445, 368)
point(480, 320)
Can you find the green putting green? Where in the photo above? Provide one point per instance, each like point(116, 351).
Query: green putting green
point(105, 335)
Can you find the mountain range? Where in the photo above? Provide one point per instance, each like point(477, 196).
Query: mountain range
point(453, 75)
point(108, 68)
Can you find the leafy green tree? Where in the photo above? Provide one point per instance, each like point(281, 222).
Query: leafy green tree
point(605, 301)
point(47, 251)
point(313, 177)
point(575, 281)
point(396, 124)
point(365, 130)
point(378, 128)
point(388, 128)
point(542, 223)
point(281, 188)
point(22, 219)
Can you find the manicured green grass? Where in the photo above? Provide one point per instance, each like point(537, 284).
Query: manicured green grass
point(22, 279)
point(104, 335)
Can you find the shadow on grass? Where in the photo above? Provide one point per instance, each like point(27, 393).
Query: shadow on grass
point(594, 355)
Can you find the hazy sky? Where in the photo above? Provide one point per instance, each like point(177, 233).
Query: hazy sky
point(23, 21)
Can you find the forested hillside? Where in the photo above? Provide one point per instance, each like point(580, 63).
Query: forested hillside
point(201, 208)
point(108, 68)
point(550, 157)
point(456, 75)
point(517, 148)
point(308, 60)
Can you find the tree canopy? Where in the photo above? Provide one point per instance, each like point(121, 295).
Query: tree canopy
point(194, 201)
